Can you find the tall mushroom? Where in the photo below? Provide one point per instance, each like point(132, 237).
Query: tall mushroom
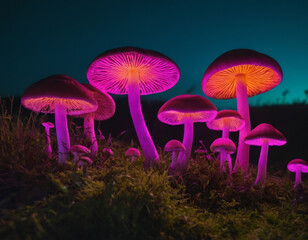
point(105, 110)
point(264, 135)
point(241, 73)
point(135, 71)
point(186, 109)
point(61, 95)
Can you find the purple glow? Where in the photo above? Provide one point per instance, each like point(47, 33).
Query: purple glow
point(264, 135)
point(135, 72)
point(298, 166)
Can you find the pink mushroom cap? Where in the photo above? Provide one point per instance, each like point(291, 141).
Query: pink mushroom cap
point(132, 152)
point(48, 124)
point(79, 149)
point(230, 119)
point(109, 71)
point(225, 144)
point(105, 104)
point(174, 145)
point(264, 132)
point(174, 111)
point(295, 163)
point(262, 73)
point(42, 96)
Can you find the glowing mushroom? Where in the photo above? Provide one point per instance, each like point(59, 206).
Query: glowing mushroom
point(264, 135)
point(133, 153)
point(298, 166)
point(226, 121)
point(135, 71)
point(225, 147)
point(84, 162)
point(105, 110)
point(61, 95)
point(175, 147)
point(186, 109)
point(240, 74)
point(47, 126)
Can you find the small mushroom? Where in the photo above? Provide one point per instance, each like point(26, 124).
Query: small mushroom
point(84, 162)
point(225, 147)
point(186, 109)
point(298, 166)
point(107, 152)
point(133, 153)
point(175, 147)
point(264, 135)
point(78, 151)
point(47, 126)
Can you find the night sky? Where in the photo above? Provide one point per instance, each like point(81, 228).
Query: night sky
point(42, 38)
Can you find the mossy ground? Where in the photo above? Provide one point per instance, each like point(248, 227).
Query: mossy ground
point(117, 199)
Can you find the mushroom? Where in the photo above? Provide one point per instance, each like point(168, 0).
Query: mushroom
point(107, 153)
point(61, 95)
point(298, 166)
point(186, 109)
point(226, 121)
point(47, 126)
point(241, 73)
point(84, 162)
point(225, 147)
point(79, 150)
point(105, 110)
point(133, 153)
point(175, 147)
point(264, 135)
point(135, 71)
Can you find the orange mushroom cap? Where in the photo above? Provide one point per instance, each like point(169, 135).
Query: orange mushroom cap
point(260, 72)
point(42, 96)
point(110, 71)
point(227, 118)
point(175, 110)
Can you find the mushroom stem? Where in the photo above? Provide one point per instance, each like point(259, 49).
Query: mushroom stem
point(63, 138)
point(223, 158)
point(187, 142)
point(262, 165)
point(89, 133)
point(242, 158)
point(48, 149)
point(173, 164)
point(150, 153)
point(298, 177)
point(229, 163)
point(225, 132)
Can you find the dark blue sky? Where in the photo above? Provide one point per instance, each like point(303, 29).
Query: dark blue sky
point(41, 38)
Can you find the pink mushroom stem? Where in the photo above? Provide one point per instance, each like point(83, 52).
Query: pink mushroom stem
point(150, 153)
point(48, 149)
point(187, 142)
point(262, 165)
point(225, 132)
point(229, 163)
point(89, 132)
point(223, 158)
point(62, 132)
point(173, 164)
point(298, 177)
point(242, 158)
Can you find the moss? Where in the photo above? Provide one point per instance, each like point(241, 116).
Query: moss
point(117, 199)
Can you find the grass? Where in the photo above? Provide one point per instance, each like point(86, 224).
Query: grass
point(117, 199)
